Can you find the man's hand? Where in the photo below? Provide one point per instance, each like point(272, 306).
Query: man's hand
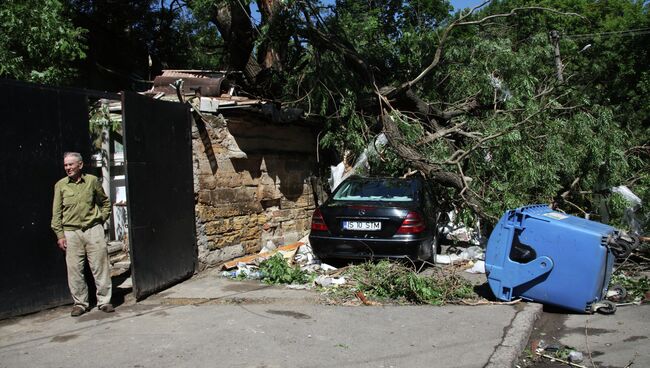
point(62, 244)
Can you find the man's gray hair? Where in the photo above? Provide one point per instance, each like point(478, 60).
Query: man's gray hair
point(76, 155)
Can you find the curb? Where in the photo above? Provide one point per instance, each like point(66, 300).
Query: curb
point(516, 337)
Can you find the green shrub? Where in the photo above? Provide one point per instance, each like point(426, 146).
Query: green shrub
point(276, 270)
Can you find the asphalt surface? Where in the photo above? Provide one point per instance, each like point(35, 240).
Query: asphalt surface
point(616, 340)
point(213, 322)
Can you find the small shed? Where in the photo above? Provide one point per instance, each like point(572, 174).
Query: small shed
point(253, 163)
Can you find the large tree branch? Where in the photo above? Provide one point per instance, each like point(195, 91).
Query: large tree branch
point(514, 12)
point(430, 170)
point(414, 158)
point(428, 109)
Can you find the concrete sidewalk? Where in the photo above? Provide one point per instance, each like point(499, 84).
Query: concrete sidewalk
point(212, 322)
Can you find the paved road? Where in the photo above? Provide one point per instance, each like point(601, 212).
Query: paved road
point(231, 325)
point(262, 335)
point(612, 340)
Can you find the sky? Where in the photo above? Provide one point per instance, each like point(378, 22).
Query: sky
point(462, 4)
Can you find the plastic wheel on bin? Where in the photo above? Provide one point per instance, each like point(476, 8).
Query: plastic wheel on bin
point(605, 307)
point(616, 293)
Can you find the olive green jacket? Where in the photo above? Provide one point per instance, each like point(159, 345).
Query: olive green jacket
point(79, 205)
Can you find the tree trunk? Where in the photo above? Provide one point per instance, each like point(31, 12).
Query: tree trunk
point(234, 24)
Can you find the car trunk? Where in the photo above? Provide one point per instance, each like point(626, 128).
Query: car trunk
point(364, 220)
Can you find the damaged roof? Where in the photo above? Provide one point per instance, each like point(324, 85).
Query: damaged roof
point(215, 92)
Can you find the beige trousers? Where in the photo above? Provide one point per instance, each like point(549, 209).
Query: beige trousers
point(91, 244)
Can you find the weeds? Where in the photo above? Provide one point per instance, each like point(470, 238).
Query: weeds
point(276, 270)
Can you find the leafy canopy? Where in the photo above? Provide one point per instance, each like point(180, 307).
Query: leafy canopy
point(37, 42)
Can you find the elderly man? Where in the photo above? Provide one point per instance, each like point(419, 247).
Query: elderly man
point(80, 208)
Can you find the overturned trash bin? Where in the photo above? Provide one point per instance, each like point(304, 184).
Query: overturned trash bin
point(541, 255)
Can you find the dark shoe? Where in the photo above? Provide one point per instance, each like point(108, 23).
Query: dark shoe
point(77, 310)
point(107, 308)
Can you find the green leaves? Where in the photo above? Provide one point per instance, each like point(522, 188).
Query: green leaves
point(276, 270)
point(37, 42)
point(390, 280)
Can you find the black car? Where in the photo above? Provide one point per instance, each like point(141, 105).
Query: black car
point(369, 218)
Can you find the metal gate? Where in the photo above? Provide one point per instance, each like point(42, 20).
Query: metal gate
point(38, 124)
point(160, 192)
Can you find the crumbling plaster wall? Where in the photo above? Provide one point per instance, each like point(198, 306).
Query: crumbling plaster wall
point(252, 184)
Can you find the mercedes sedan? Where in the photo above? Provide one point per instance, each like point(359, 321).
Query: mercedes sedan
point(368, 218)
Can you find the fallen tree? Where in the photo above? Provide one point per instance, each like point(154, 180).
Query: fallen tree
point(476, 102)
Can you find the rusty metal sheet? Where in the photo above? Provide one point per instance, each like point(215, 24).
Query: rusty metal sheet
point(211, 87)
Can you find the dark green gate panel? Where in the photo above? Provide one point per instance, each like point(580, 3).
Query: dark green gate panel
point(38, 125)
point(160, 192)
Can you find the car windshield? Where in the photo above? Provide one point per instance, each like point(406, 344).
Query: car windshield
point(377, 190)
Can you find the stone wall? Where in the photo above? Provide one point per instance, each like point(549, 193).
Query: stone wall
point(252, 184)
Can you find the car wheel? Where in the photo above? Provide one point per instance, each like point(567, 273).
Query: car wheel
point(436, 247)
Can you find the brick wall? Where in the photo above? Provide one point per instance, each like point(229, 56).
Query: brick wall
point(252, 184)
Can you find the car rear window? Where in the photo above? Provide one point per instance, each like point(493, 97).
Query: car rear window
point(386, 190)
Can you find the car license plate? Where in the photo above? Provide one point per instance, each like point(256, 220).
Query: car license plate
point(362, 225)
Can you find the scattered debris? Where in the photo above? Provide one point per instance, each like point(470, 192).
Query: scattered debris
point(559, 353)
point(553, 359)
point(457, 231)
point(472, 258)
point(118, 257)
point(629, 289)
point(630, 212)
point(298, 287)
point(285, 249)
point(362, 297)
point(369, 283)
point(478, 267)
point(268, 247)
point(326, 281)
point(244, 271)
point(575, 357)
point(305, 255)
point(462, 234)
point(447, 258)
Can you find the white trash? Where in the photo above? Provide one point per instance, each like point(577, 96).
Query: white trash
point(473, 253)
point(304, 255)
point(447, 258)
point(269, 246)
point(325, 267)
point(326, 281)
point(575, 357)
point(479, 267)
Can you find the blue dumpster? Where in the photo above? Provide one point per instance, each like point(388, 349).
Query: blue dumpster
point(541, 255)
